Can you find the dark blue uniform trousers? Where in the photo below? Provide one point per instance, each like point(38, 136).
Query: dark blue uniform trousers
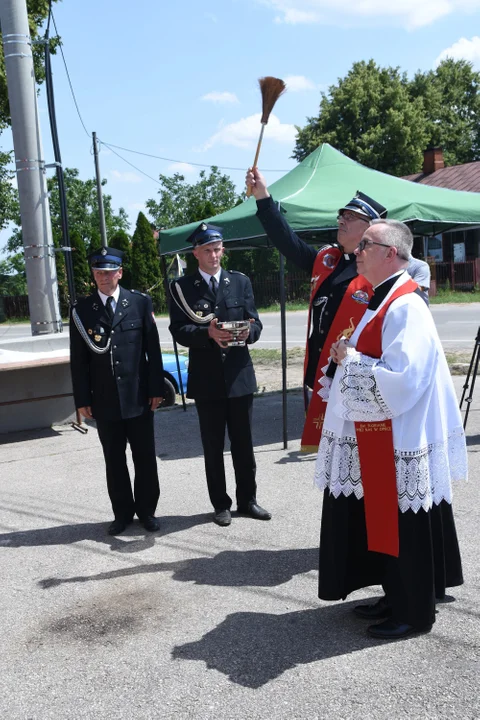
point(235, 414)
point(146, 490)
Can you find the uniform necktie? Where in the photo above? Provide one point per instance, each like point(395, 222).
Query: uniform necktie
point(213, 285)
point(109, 308)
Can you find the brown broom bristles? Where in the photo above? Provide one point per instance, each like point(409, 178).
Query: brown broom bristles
point(271, 89)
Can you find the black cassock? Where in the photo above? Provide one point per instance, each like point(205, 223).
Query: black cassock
point(220, 380)
point(117, 386)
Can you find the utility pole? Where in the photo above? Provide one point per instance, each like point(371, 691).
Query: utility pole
point(30, 169)
point(103, 230)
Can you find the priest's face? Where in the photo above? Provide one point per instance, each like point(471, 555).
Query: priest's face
point(351, 226)
point(376, 260)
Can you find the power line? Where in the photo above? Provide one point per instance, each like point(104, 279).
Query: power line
point(183, 162)
point(128, 162)
point(68, 75)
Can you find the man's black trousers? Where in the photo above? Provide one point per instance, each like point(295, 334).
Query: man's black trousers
point(138, 431)
point(235, 414)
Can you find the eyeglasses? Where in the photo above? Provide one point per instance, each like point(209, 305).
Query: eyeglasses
point(347, 215)
point(364, 243)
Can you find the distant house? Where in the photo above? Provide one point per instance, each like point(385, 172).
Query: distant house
point(456, 253)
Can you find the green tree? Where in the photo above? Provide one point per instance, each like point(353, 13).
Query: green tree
point(370, 117)
point(146, 273)
point(121, 241)
point(451, 99)
point(12, 276)
point(81, 270)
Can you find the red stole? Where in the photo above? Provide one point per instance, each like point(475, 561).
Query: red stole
point(353, 305)
point(376, 452)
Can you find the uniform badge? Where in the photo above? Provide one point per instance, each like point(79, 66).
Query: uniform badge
point(90, 331)
point(95, 306)
point(199, 313)
point(125, 302)
point(205, 306)
point(226, 281)
point(329, 261)
point(360, 296)
point(196, 283)
point(97, 338)
point(103, 251)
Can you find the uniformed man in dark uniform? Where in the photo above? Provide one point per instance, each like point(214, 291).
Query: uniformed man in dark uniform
point(221, 378)
point(117, 376)
point(327, 294)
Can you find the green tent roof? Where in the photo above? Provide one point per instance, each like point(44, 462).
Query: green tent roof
point(312, 193)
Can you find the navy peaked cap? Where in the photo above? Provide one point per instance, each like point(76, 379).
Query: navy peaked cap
point(204, 234)
point(365, 206)
point(106, 258)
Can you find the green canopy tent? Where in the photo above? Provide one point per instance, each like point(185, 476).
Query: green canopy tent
point(312, 192)
point(310, 196)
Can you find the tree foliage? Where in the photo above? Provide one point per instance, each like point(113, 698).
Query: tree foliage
point(146, 273)
point(121, 241)
point(383, 120)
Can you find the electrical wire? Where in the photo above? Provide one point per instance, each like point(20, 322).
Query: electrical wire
point(128, 162)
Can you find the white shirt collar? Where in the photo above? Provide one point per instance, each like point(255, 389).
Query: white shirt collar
point(115, 296)
point(207, 277)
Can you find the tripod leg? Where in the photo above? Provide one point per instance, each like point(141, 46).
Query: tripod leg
point(468, 400)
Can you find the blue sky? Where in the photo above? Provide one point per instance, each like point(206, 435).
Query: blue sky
point(180, 79)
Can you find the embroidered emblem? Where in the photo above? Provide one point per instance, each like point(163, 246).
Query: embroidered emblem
point(103, 251)
point(360, 296)
point(97, 338)
point(125, 302)
point(314, 279)
point(329, 261)
point(226, 281)
point(95, 306)
point(348, 332)
point(319, 301)
point(90, 331)
point(199, 313)
point(318, 421)
point(196, 283)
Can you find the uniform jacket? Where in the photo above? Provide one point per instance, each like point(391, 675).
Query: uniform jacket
point(214, 371)
point(118, 384)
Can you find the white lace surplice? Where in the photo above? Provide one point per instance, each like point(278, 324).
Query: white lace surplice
point(411, 385)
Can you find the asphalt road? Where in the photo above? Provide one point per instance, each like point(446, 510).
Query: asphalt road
point(198, 622)
point(457, 326)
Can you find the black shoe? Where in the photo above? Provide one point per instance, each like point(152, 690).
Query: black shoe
point(375, 611)
point(392, 630)
point(151, 523)
point(118, 526)
point(222, 517)
point(254, 511)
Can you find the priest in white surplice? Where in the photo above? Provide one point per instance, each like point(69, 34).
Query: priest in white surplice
point(392, 443)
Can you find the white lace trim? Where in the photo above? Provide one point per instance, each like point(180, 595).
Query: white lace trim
point(325, 384)
point(424, 475)
point(360, 398)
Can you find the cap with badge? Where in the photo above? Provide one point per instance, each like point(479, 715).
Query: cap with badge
point(106, 258)
point(205, 234)
point(365, 206)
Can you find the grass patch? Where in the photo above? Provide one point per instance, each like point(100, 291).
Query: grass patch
point(449, 296)
point(272, 356)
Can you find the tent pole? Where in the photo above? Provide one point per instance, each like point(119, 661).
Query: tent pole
point(175, 348)
point(283, 324)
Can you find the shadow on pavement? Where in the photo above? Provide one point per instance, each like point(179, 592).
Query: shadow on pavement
point(68, 534)
point(254, 568)
point(252, 649)
point(25, 435)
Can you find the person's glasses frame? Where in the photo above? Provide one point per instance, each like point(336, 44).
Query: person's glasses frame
point(365, 243)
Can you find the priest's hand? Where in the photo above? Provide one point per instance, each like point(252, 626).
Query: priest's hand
point(338, 351)
point(255, 180)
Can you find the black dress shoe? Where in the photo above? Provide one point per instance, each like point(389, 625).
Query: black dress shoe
point(375, 611)
point(392, 630)
point(151, 523)
point(222, 517)
point(254, 511)
point(118, 526)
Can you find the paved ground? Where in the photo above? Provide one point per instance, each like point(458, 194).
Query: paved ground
point(199, 621)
